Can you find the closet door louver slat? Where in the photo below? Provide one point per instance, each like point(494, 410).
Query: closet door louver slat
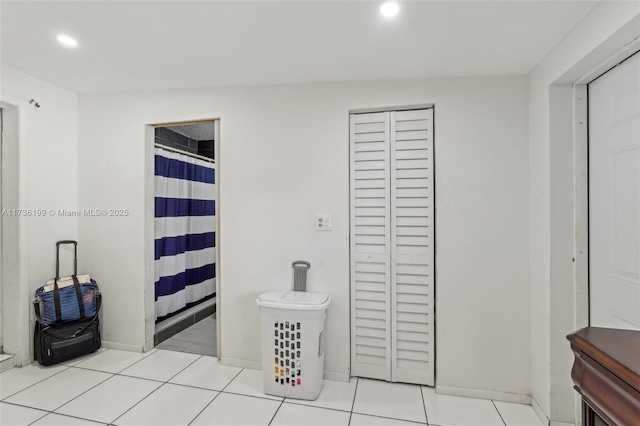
point(412, 255)
point(370, 245)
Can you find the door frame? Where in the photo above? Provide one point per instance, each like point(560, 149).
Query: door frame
point(581, 178)
point(16, 299)
point(582, 162)
point(1, 227)
point(569, 236)
point(149, 299)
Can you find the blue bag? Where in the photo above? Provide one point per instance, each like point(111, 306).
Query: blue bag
point(69, 303)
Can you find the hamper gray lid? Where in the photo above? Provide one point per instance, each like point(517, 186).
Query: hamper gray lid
point(297, 300)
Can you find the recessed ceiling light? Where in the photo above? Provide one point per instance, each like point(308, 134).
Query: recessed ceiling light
point(389, 9)
point(67, 41)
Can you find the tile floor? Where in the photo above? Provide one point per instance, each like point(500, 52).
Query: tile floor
point(161, 387)
point(200, 338)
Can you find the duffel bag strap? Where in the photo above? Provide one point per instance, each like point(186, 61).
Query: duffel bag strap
point(76, 284)
point(56, 300)
point(52, 332)
point(81, 329)
point(36, 307)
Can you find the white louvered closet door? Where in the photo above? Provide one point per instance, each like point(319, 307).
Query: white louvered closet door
point(392, 246)
point(412, 254)
point(370, 246)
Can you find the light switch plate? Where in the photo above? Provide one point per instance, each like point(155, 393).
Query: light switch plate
point(323, 222)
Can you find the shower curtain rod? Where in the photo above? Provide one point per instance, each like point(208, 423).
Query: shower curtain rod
point(189, 154)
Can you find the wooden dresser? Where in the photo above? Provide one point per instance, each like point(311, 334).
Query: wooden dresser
point(606, 373)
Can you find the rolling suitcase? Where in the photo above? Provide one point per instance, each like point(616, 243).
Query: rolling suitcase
point(67, 323)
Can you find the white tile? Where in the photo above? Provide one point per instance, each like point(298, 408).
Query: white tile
point(15, 415)
point(199, 335)
point(202, 349)
point(250, 382)
point(110, 399)
point(181, 336)
point(395, 400)
point(112, 360)
point(208, 373)
point(17, 379)
point(175, 343)
point(334, 395)
point(169, 347)
point(304, 415)
point(365, 420)
point(170, 405)
point(60, 420)
point(518, 414)
point(79, 359)
point(459, 411)
point(229, 410)
point(208, 323)
point(160, 365)
point(57, 390)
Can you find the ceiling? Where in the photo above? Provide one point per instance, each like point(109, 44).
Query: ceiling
point(150, 45)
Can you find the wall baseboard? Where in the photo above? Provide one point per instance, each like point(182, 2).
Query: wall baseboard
point(8, 363)
point(536, 407)
point(543, 417)
point(148, 345)
point(241, 363)
point(122, 346)
point(484, 394)
point(336, 376)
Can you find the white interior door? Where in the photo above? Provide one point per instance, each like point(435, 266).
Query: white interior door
point(614, 197)
point(392, 239)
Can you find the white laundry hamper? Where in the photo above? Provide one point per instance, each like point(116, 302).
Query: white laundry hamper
point(293, 326)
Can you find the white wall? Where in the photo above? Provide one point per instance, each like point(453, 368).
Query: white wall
point(284, 157)
point(554, 312)
point(48, 162)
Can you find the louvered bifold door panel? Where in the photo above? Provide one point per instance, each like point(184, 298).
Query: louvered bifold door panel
point(412, 254)
point(370, 245)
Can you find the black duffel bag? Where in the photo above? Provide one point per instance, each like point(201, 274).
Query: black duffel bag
point(57, 343)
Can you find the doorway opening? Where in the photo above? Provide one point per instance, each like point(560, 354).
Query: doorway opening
point(614, 196)
point(185, 237)
point(2, 355)
point(14, 320)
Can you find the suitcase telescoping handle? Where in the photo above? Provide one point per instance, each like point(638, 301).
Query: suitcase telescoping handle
point(75, 257)
point(76, 284)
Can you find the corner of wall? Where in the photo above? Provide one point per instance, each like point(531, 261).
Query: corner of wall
point(539, 412)
point(48, 176)
point(606, 30)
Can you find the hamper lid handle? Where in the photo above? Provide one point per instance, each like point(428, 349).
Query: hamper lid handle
point(301, 264)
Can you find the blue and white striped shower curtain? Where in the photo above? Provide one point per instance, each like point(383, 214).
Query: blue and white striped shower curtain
point(185, 270)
